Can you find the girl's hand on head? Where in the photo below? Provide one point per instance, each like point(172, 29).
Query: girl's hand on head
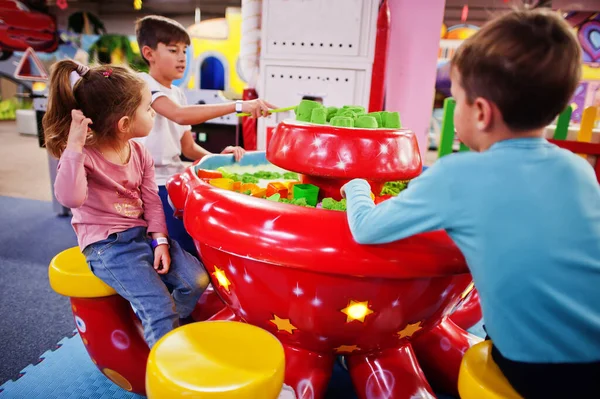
point(162, 259)
point(238, 152)
point(257, 108)
point(78, 131)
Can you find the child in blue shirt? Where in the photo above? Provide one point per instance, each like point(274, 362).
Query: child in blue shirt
point(525, 213)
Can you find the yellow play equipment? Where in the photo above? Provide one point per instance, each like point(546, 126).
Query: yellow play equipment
point(211, 359)
point(480, 377)
point(216, 359)
point(70, 276)
point(219, 38)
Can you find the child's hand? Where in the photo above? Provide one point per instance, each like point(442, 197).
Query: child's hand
point(162, 259)
point(78, 131)
point(257, 107)
point(238, 152)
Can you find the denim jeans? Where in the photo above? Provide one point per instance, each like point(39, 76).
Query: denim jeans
point(125, 262)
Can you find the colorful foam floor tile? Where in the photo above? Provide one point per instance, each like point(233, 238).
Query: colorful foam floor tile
point(64, 373)
point(68, 373)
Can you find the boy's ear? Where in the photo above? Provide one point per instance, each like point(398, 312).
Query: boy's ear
point(147, 53)
point(124, 124)
point(484, 114)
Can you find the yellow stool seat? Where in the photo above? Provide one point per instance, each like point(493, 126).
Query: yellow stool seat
point(216, 359)
point(480, 377)
point(70, 276)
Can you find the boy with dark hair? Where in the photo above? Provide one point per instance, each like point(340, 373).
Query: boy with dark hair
point(525, 213)
point(163, 44)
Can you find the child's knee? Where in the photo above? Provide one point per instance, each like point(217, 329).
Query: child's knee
point(202, 280)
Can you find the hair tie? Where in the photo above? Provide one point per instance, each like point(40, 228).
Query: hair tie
point(107, 73)
point(74, 78)
point(82, 70)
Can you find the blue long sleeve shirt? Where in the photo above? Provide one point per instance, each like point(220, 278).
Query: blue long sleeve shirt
point(526, 216)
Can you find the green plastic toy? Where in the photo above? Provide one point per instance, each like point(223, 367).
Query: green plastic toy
point(347, 112)
point(331, 112)
point(366, 121)
point(304, 111)
point(391, 120)
point(319, 115)
point(358, 110)
point(307, 191)
point(342, 121)
point(377, 116)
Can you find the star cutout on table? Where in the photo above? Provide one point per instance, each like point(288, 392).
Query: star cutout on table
point(357, 311)
point(409, 330)
point(283, 324)
point(346, 348)
point(221, 278)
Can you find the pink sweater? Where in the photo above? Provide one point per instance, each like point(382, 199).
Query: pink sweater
point(107, 198)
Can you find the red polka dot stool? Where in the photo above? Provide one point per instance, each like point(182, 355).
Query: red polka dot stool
point(109, 329)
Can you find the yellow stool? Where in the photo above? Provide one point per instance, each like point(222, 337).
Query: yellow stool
point(70, 276)
point(480, 377)
point(99, 312)
point(216, 359)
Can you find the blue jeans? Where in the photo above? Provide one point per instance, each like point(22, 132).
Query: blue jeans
point(125, 262)
point(175, 226)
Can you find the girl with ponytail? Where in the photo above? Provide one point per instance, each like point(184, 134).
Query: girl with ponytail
point(107, 179)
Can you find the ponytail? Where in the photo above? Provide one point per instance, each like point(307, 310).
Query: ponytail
point(103, 93)
point(61, 101)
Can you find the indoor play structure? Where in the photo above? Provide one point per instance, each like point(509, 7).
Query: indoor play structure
point(297, 273)
point(397, 312)
point(215, 51)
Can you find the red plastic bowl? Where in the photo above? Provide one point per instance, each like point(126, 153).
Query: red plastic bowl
point(329, 156)
point(271, 261)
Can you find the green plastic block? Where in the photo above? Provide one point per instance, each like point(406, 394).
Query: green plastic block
point(319, 115)
point(304, 111)
point(331, 112)
point(366, 121)
point(356, 109)
point(342, 121)
point(391, 120)
point(346, 112)
point(309, 192)
point(377, 116)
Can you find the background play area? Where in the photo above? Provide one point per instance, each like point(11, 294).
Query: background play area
point(230, 58)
